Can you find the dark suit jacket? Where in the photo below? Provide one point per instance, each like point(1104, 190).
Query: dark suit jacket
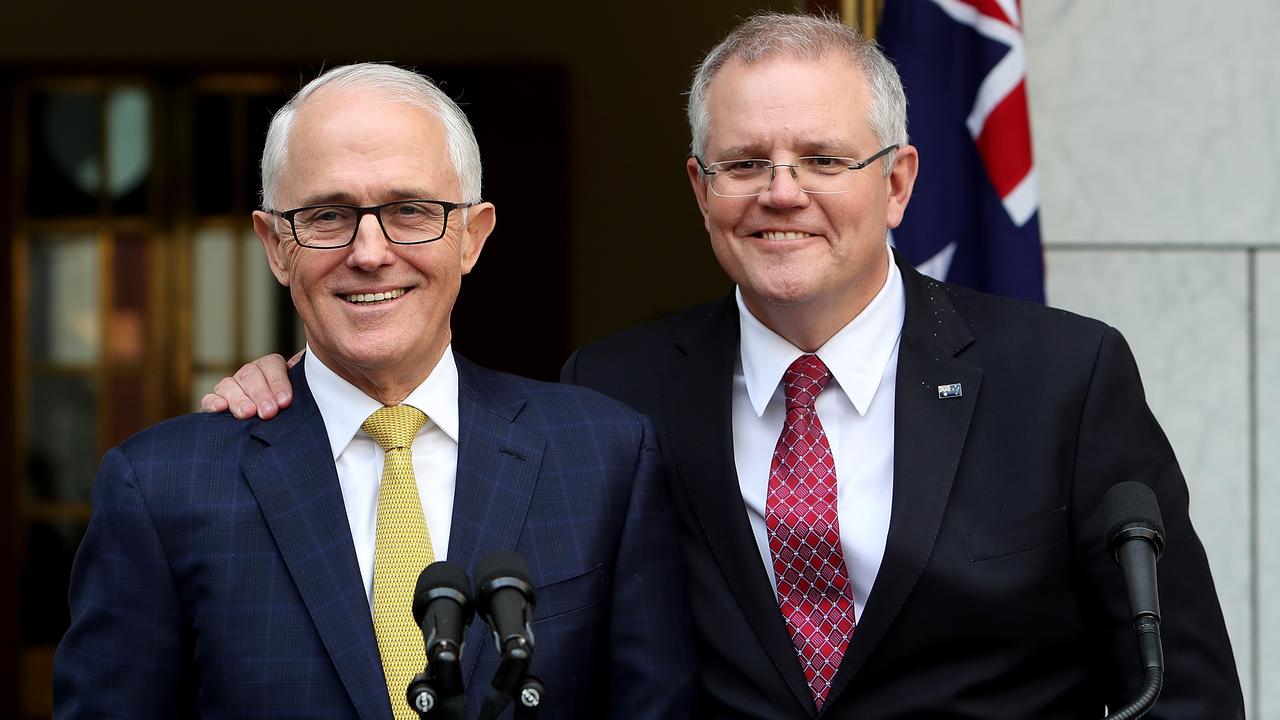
point(218, 577)
point(996, 597)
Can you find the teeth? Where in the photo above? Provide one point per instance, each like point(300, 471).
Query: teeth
point(769, 235)
point(375, 297)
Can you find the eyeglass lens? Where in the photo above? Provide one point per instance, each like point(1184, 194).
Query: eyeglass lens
point(403, 222)
point(813, 174)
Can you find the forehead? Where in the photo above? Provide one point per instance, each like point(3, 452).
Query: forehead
point(366, 146)
point(782, 103)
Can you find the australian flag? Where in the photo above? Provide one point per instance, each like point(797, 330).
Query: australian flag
point(974, 214)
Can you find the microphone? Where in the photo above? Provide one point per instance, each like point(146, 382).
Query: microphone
point(1135, 539)
point(505, 599)
point(442, 608)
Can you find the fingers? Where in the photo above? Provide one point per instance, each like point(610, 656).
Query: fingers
point(261, 387)
point(213, 403)
point(297, 358)
point(275, 371)
point(233, 393)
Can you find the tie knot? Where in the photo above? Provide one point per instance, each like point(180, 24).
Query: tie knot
point(803, 380)
point(394, 426)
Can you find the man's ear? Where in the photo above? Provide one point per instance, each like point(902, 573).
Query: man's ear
point(480, 221)
point(901, 181)
point(699, 187)
point(265, 225)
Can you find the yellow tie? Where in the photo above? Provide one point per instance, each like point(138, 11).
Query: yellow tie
point(402, 550)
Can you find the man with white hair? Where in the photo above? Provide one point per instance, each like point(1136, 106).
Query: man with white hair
point(888, 488)
point(267, 570)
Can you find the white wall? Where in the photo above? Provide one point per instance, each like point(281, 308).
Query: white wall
point(1157, 140)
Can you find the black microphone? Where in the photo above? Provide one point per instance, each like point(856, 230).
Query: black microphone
point(505, 599)
point(442, 608)
point(1135, 538)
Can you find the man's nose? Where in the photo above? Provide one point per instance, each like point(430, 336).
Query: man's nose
point(371, 247)
point(784, 188)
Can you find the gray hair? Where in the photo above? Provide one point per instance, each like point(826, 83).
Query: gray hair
point(805, 37)
point(398, 84)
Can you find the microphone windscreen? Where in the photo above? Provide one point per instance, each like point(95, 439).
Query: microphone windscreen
point(502, 563)
point(500, 570)
point(440, 575)
point(1130, 503)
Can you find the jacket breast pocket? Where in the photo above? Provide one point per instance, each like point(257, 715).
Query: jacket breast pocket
point(1031, 533)
point(571, 594)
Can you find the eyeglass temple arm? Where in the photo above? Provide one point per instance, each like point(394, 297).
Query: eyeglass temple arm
point(883, 151)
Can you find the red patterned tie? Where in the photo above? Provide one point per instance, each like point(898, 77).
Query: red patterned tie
point(814, 592)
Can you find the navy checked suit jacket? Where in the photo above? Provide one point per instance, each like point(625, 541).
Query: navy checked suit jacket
point(996, 597)
point(218, 576)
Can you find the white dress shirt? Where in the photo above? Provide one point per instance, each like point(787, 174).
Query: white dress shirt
point(856, 409)
point(359, 458)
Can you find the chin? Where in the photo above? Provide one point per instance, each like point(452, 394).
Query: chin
point(370, 354)
point(785, 291)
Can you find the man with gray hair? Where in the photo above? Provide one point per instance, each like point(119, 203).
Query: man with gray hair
point(236, 569)
point(888, 488)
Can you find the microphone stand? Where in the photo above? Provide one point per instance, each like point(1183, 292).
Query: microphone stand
point(1137, 543)
point(436, 698)
point(1146, 623)
point(529, 698)
point(505, 598)
point(1148, 630)
point(425, 699)
point(513, 682)
point(441, 609)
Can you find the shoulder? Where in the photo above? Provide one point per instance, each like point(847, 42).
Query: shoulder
point(187, 435)
point(1021, 331)
point(990, 311)
point(541, 404)
point(579, 430)
point(201, 444)
point(161, 466)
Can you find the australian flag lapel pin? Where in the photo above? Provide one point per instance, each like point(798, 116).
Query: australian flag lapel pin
point(950, 391)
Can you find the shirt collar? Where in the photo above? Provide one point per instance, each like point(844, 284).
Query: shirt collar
point(344, 407)
point(856, 355)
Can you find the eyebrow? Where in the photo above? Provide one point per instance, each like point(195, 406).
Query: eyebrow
point(742, 151)
point(342, 197)
point(830, 146)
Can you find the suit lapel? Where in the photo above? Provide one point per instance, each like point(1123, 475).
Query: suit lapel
point(498, 465)
point(296, 486)
point(929, 435)
point(697, 407)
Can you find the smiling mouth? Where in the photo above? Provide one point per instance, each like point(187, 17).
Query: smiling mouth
point(774, 235)
point(369, 298)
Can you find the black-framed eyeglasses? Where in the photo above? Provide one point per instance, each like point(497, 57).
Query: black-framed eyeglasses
point(403, 222)
point(816, 174)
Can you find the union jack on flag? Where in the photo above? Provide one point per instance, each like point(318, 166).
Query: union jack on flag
point(974, 214)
